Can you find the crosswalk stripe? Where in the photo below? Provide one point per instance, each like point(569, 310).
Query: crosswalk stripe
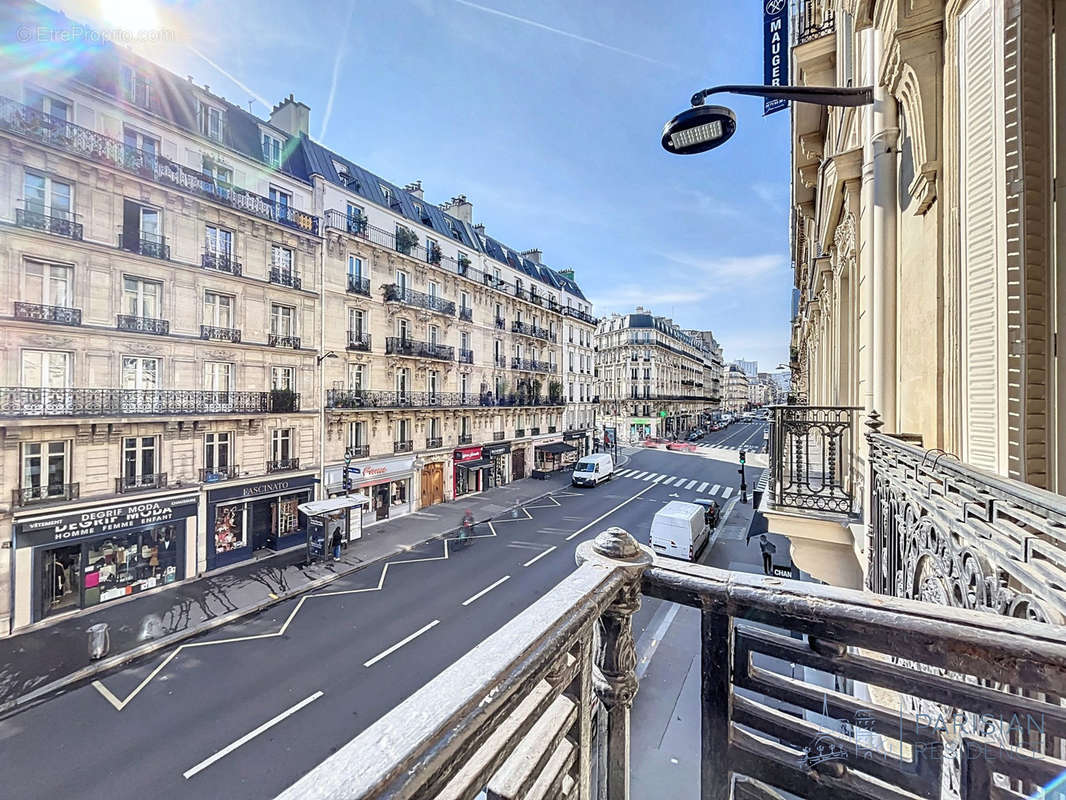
point(669, 480)
point(637, 475)
point(625, 473)
point(658, 478)
point(715, 489)
point(728, 491)
point(702, 486)
point(690, 485)
point(650, 476)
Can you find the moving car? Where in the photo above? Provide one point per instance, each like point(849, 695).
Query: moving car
point(591, 470)
point(679, 530)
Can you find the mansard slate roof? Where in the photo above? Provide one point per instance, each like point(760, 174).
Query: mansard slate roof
point(321, 160)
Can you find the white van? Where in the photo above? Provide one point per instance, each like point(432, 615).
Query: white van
point(678, 530)
point(590, 470)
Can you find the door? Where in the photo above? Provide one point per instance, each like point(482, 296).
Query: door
point(60, 579)
point(518, 464)
point(262, 514)
point(432, 484)
point(140, 382)
point(381, 501)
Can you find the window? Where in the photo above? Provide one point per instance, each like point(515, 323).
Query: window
point(217, 450)
point(210, 121)
point(571, 362)
point(403, 430)
point(271, 150)
point(432, 247)
point(139, 459)
point(140, 373)
point(45, 369)
point(355, 267)
point(48, 104)
point(283, 379)
point(281, 200)
point(142, 298)
point(386, 193)
point(219, 241)
point(141, 229)
point(434, 290)
point(357, 377)
point(136, 88)
point(48, 197)
point(219, 174)
point(355, 214)
point(281, 257)
point(44, 469)
point(281, 444)
point(433, 381)
point(464, 385)
point(401, 281)
point(464, 300)
point(282, 320)
point(403, 380)
point(499, 311)
point(464, 341)
point(133, 138)
point(434, 334)
point(357, 321)
point(434, 428)
point(571, 393)
point(465, 426)
point(357, 434)
point(218, 310)
point(403, 329)
point(218, 376)
point(49, 284)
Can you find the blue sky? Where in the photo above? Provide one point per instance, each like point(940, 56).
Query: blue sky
point(547, 115)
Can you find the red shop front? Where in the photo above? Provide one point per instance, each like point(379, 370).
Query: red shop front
point(470, 470)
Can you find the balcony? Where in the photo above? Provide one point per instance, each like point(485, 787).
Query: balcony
point(357, 451)
point(283, 465)
point(85, 143)
point(404, 446)
point(409, 297)
point(524, 328)
point(145, 244)
point(216, 474)
point(18, 401)
point(355, 225)
point(546, 699)
point(578, 314)
point(285, 277)
point(398, 346)
point(812, 19)
point(60, 223)
point(501, 324)
point(465, 438)
point(811, 448)
point(140, 483)
point(277, 340)
point(358, 340)
point(466, 314)
point(358, 399)
point(128, 322)
point(498, 436)
point(58, 315)
point(221, 261)
point(466, 356)
point(519, 433)
point(45, 493)
point(215, 334)
point(358, 285)
point(434, 442)
point(501, 362)
point(534, 431)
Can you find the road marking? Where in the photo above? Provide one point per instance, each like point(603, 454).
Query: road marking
point(535, 559)
point(715, 489)
point(604, 516)
point(638, 475)
point(690, 485)
point(646, 651)
point(401, 643)
point(225, 751)
point(651, 475)
point(702, 486)
point(669, 480)
point(486, 590)
point(726, 492)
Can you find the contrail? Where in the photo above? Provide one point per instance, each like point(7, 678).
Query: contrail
point(567, 34)
point(265, 104)
point(336, 72)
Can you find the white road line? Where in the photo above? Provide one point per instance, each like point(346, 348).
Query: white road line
point(726, 492)
point(604, 516)
point(225, 751)
point(714, 489)
point(486, 590)
point(702, 486)
point(400, 644)
point(669, 480)
point(638, 475)
point(651, 475)
point(621, 473)
point(690, 485)
point(658, 478)
point(535, 559)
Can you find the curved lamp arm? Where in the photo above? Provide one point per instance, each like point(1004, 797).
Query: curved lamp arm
point(816, 95)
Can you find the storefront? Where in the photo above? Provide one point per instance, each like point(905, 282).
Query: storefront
point(83, 558)
point(552, 456)
point(255, 516)
point(471, 470)
point(388, 485)
point(498, 454)
point(578, 439)
point(640, 428)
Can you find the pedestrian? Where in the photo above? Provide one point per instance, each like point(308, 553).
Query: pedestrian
point(335, 539)
point(768, 549)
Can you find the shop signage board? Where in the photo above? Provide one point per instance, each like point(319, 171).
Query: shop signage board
point(378, 471)
point(498, 449)
point(570, 436)
point(775, 51)
point(266, 488)
point(109, 519)
point(467, 454)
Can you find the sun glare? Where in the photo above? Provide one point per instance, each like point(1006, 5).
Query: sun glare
point(133, 15)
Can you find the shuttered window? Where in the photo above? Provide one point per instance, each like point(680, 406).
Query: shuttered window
point(982, 228)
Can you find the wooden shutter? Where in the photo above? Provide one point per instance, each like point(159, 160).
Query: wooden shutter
point(982, 234)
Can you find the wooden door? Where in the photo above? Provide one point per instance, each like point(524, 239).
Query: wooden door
point(432, 484)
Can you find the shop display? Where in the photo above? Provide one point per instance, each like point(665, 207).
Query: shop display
point(229, 533)
point(129, 563)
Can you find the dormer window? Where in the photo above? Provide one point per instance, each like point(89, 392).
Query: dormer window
point(136, 88)
point(209, 120)
point(272, 150)
point(386, 192)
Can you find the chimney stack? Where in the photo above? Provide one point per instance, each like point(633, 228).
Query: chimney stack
point(480, 228)
point(415, 188)
point(460, 208)
point(567, 273)
point(533, 255)
point(291, 116)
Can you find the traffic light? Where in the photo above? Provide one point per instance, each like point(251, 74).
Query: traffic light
point(742, 456)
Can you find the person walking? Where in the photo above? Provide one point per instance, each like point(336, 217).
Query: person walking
point(768, 549)
point(335, 539)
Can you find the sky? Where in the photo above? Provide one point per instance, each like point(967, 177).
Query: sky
point(547, 115)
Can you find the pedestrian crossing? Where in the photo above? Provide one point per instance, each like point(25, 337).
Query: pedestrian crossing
point(755, 447)
point(678, 482)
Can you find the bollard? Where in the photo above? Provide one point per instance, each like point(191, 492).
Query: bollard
point(99, 640)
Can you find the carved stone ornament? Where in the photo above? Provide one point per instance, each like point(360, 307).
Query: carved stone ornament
point(844, 236)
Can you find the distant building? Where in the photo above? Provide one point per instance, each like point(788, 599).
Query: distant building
point(736, 389)
point(713, 367)
point(749, 368)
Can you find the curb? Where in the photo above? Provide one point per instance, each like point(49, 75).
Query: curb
point(42, 693)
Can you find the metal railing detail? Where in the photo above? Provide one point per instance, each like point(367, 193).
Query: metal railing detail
point(466, 356)
point(145, 244)
point(45, 492)
point(221, 261)
point(140, 483)
point(341, 399)
point(466, 314)
point(811, 449)
point(357, 285)
point(357, 340)
point(128, 322)
point(216, 474)
point(36, 312)
point(433, 442)
point(812, 19)
point(215, 333)
point(276, 340)
point(283, 465)
point(398, 294)
point(395, 345)
point(285, 277)
point(545, 700)
point(19, 401)
point(62, 224)
point(403, 446)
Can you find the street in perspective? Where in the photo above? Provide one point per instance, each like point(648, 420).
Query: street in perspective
point(718, 454)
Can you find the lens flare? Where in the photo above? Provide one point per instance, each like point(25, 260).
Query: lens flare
point(133, 15)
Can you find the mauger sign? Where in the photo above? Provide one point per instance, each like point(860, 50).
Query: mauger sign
point(110, 519)
point(775, 50)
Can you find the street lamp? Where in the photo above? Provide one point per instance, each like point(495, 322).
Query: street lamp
point(702, 128)
point(322, 419)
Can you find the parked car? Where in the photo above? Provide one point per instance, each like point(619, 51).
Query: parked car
point(684, 446)
point(592, 470)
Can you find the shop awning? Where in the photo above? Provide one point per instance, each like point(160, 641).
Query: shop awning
point(555, 448)
point(319, 508)
point(480, 463)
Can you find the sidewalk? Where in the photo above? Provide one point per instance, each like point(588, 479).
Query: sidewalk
point(41, 661)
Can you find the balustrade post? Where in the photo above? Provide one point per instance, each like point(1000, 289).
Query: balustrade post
point(614, 677)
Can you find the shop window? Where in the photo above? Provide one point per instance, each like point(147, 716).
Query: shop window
point(399, 493)
point(229, 528)
point(61, 584)
point(288, 516)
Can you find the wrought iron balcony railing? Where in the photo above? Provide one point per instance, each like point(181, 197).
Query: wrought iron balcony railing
point(277, 340)
point(405, 446)
point(395, 345)
point(215, 474)
point(577, 313)
point(35, 312)
point(18, 401)
point(56, 132)
point(128, 322)
point(466, 356)
point(145, 244)
point(283, 465)
point(358, 285)
point(810, 458)
point(498, 436)
point(466, 314)
point(501, 323)
point(534, 431)
point(285, 277)
point(45, 493)
point(465, 438)
point(519, 432)
point(221, 261)
point(812, 19)
point(501, 362)
point(358, 450)
point(217, 334)
point(525, 328)
point(358, 340)
point(140, 483)
point(434, 442)
point(546, 700)
point(398, 294)
point(342, 221)
point(60, 223)
point(356, 399)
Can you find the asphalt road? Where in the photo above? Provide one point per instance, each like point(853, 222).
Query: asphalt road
point(247, 709)
point(739, 436)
